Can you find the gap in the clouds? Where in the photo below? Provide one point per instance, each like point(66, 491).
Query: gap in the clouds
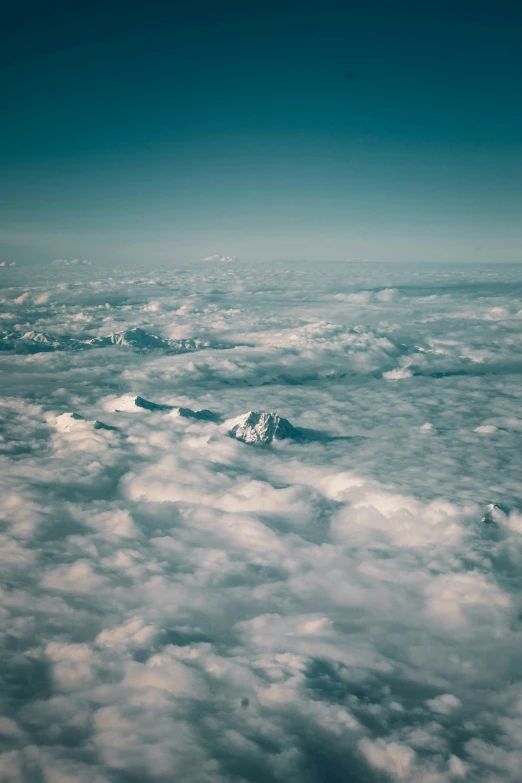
point(25, 679)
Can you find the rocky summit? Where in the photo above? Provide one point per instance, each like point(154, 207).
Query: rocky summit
point(255, 427)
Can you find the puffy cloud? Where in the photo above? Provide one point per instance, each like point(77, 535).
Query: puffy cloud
point(76, 578)
point(180, 604)
point(132, 633)
point(390, 757)
point(456, 600)
point(444, 704)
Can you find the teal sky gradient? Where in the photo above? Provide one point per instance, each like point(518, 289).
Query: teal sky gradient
point(374, 130)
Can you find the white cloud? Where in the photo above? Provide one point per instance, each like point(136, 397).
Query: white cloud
point(179, 604)
point(76, 578)
point(393, 758)
point(456, 600)
point(444, 704)
point(132, 633)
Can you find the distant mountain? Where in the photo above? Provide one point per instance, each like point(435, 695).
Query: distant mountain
point(135, 338)
point(139, 339)
point(203, 415)
point(67, 422)
point(134, 403)
point(131, 338)
point(188, 345)
point(495, 514)
point(141, 402)
point(37, 342)
point(253, 427)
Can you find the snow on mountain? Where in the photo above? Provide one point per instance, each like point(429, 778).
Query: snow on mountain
point(69, 422)
point(139, 339)
point(136, 338)
point(131, 338)
point(493, 514)
point(39, 337)
point(134, 404)
point(37, 342)
point(190, 344)
point(73, 432)
point(253, 427)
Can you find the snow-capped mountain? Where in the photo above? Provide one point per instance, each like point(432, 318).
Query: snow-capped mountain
point(494, 514)
point(253, 427)
point(37, 342)
point(135, 338)
point(139, 339)
point(69, 422)
point(130, 338)
point(134, 404)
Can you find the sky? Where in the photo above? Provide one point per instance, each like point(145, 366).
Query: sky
point(271, 131)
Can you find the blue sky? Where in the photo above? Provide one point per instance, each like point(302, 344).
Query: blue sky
point(285, 130)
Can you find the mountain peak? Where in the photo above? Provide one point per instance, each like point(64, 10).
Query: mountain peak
point(131, 338)
point(254, 427)
point(67, 422)
point(134, 403)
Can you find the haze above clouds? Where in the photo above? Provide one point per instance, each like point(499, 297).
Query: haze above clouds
point(342, 604)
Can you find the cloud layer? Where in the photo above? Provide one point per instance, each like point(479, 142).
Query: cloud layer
point(180, 605)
